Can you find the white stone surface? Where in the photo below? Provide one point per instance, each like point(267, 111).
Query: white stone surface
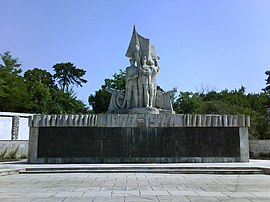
point(5, 128)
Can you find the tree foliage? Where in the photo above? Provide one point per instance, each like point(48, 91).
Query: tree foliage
point(36, 91)
point(118, 82)
point(39, 83)
point(267, 88)
point(13, 91)
point(67, 73)
point(101, 99)
point(65, 102)
point(11, 65)
point(228, 102)
point(37, 75)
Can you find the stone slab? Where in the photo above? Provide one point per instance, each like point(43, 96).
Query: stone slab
point(130, 145)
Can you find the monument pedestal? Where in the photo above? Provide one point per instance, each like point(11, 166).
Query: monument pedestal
point(138, 138)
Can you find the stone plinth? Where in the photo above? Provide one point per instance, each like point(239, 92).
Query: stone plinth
point(133, 138)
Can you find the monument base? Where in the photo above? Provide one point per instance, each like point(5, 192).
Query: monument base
point(138, 138)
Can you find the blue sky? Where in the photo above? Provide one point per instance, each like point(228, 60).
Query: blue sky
point(209, 44)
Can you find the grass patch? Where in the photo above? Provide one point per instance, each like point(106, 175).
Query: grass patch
point(3, 154)
point(11, 155)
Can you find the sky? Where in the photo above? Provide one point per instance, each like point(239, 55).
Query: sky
point(202, 44)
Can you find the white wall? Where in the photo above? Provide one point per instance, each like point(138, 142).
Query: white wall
point(5, 128)
point(23, 129)
point(6, 125)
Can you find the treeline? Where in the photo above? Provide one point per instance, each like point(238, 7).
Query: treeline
point(235, 102)
point(37, 90)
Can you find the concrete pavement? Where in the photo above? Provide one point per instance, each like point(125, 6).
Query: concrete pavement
point(133, 186)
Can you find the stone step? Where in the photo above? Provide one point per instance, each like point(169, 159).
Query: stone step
point(217, 170)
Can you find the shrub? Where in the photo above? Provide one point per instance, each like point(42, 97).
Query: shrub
point(3, 154)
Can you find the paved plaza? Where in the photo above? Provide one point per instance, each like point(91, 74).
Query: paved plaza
point(121, 186)
point(133, 187)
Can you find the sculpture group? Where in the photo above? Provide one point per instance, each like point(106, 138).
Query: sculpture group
point(141, 94)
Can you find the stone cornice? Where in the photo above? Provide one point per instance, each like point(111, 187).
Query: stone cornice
point(140, 120)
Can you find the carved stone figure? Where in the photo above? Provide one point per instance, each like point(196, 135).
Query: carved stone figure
point(132, 85)
point(153, 84)
point(140, 94)
point(144, 83)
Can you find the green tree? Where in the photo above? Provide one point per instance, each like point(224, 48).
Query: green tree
point(66, 100)
point(101, 99)
point(267, 88)
point(228, 102)
point(13, 91)
point(39, 83)
point(40, 96)
point(37, 75)
point(118, 82)
point(65, 103)
point(11, 65)
point(67, 73)
point(188, 103)
point(36, 91)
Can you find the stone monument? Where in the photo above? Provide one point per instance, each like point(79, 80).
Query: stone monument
point(141, 94)
point(140, 126)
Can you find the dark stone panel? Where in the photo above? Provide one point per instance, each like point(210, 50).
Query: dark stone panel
point(137, 143)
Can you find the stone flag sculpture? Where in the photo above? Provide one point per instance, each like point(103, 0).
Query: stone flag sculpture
point(141, 94)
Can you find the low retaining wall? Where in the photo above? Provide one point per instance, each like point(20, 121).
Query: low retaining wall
point(259, 148)
point(132, 138)
point(22, 146)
